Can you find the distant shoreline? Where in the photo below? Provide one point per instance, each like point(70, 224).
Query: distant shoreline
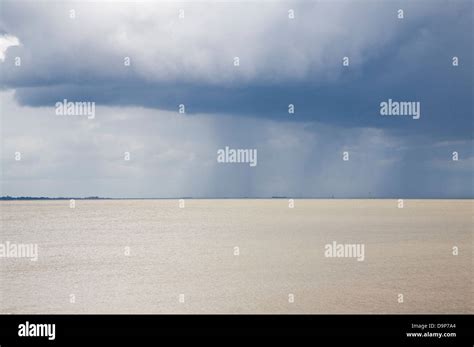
point(9, 198)
point(21, 198)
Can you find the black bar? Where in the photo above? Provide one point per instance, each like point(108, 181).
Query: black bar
point(386, 329)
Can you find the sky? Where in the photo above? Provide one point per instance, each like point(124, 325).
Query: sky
point(289, 52)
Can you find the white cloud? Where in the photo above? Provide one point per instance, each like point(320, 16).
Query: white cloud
point(5, 42)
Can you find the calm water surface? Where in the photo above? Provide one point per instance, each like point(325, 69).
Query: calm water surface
point(190, 251)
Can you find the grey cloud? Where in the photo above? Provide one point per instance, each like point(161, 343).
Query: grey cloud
point(175, 156)
point(190, 61)
point(200, 48)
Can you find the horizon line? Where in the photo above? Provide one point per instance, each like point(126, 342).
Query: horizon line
point(11, 198)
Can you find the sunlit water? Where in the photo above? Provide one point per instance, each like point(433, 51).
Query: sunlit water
point(191, 251)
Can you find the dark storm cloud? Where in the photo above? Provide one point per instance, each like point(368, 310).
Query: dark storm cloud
point(411, 63)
